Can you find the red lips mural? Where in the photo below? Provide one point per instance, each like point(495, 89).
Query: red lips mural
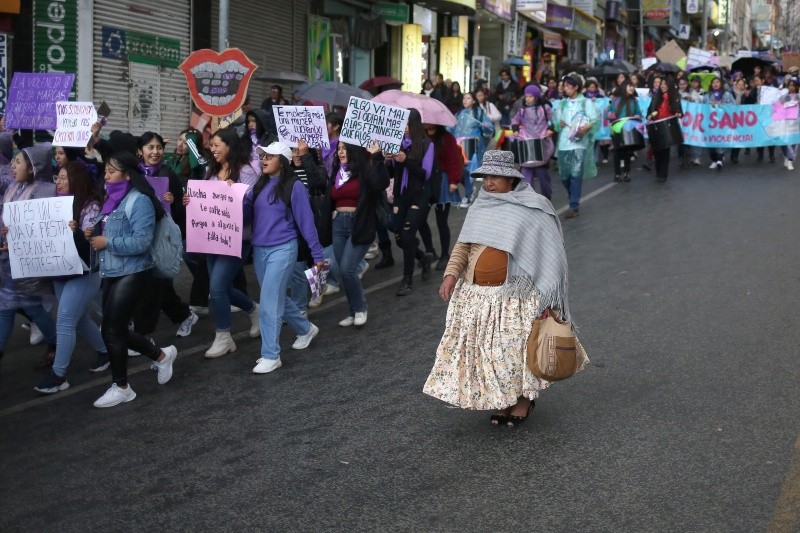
point(218, 82)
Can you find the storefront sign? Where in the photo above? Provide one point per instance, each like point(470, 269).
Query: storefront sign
point(366, 122)
point(40, 243)
point(722, 11)
point(214, 217)
point(552, 41)
point(675, 16)
point(692, 7)
point(74, 123)
point(451, 58)
point(55, 35)
point(559, 16)
point(411, 63)
point(138, 47)
point(319, 49)
point(655, 9)
point(585, 5)
point(531, 5)
point(395, 14)
point(301, 122)
point(32, 99)
point(3, 72)
point(584, 25)
point(501, 8)
point(615, 11)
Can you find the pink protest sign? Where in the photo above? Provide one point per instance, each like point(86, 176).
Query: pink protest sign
point(214, 217)
point(782, 112)
point(160, 185)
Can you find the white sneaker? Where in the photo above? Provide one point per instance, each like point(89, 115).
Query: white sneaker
point(133, 353)
point(719, 165)
point(360, 319)
point(303, 341)
point(115, 396)
point(265, 366)
point(36, 335)
point(789, 166)
point(223, 345)
point(464, 203)
point(713, 165)
point(315, 302)
point(330, 289)
point(372, 252)
point(347, 322)
point(164, 367)
point(186, 326)
point(696, 162)
point(199, 310)
point(361, 273)
point(235, 309)
point(255, 327)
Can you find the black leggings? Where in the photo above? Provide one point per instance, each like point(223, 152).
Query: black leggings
point(622, 160)
point(161, 296)
point(120, 298)
point(442, 211)
point(408, 223)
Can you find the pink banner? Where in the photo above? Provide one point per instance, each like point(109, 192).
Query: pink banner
point(782, 112)
point(214, 217)
point(160, 185)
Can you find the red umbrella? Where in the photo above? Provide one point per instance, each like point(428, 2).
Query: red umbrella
point(379, 81)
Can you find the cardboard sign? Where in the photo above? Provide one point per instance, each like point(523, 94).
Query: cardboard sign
point(214, 217)
point(367, 121)
point(301, 122)
point(670, 52)
point(784, 111)
point(74, 123)
point(160, 185)
point(32, 99)
point(218, 82)
point(39, 239)
point(698, 57)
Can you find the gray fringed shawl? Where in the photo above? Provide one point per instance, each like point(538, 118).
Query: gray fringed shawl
point(523, 224)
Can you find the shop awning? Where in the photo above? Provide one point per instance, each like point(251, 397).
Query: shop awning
point(451, 7)
point(571, 22)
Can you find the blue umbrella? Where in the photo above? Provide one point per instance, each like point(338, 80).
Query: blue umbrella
point(516, 62)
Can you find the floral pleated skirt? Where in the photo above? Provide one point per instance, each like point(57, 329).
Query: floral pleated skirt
point(481, 361)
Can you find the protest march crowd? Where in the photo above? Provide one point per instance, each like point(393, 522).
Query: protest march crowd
point(309, 217)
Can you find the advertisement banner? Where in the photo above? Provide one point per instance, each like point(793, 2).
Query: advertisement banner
point(319, 49)
point(214, 217)
point(655, 9)
point(138, 47)
point(55, 36)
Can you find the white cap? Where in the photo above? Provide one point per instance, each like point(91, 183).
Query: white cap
point(277, 148)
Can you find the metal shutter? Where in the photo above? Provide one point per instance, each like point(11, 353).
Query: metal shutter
point(143, 96)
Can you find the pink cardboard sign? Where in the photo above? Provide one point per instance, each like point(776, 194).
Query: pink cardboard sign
point(214, 217)
point(160, 185)
point(781, 112)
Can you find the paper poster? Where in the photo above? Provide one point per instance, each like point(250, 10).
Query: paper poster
point(317, 278)
point(214, 217)
point(301, 122)
point(648, 62)
point(367, 121)
point(218, 82)
point(39, 240)
point(698, 57)
point(160, 185)
point(74, 122)
point(32, 99)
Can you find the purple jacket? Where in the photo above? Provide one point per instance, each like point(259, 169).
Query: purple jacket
point(533, 121)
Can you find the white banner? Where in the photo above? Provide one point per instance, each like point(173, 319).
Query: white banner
point(74, 122)
point(39, 239)
point(367, 121)
point(301, 122)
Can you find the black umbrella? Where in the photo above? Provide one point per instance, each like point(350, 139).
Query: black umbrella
point(612, 67)
point(745, 65)
point(571, 65)
point(665, 68)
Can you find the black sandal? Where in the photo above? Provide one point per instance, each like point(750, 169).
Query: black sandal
point(517, 420)
point(500, 418)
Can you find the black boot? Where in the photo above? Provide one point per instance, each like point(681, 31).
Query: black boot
point(427, 260)
point(386, 256)
point(442, 263)
point(405, 286)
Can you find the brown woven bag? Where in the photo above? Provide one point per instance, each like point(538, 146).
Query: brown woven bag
point(552, 348)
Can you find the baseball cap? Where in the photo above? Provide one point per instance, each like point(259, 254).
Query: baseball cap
point(276, 148)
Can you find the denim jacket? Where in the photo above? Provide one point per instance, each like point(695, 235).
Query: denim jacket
point(128, 242)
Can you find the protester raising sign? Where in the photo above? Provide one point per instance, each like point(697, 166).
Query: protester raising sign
point(301, 122)
point(214, 217)
point(367, 121)
point(39, 238)
point(32, 99)
point(74, 123)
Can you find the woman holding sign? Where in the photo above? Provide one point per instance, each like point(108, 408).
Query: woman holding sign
point(33, 178)
point(359, 177)
point(76, 293)
point(277, 207)
point(122, 236)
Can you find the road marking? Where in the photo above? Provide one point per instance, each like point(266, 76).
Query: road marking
point(242, 336)
point(786, 517)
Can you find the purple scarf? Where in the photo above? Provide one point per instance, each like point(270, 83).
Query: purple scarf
point(405, 144)
point(342, 177)
point(718, 94)
point(150, 170)
point(592, 94)
point(115, 192)
point(328, 153)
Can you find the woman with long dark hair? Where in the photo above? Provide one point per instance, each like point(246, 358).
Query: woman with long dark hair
point(472, 126)
point(354, 189)
point(122, 236)
point(229, 163)
point(624, 105)
point(75, 293)
point(666, 103)
point(278, 206)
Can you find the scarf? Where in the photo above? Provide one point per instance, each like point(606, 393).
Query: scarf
point(405, 144)
point(328, 152)
point(254, 137)
point(343, 176)
point(523, 224)
point(150, 170)
point(718, 95)
point(115, 192)
point(592, 94)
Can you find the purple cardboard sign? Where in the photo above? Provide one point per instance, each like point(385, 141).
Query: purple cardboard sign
point(160, 185)
point(32, 99)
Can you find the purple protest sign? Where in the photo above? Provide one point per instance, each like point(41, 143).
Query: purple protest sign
point(214, 217)
point(32, 99)
point(160, 185)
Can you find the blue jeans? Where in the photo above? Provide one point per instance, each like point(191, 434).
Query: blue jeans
point(298, 286)
point(274, 266)
point(74, 298)
point(467, 182)
point(348, 256)
point(333, 275)
point(221, 271)
point(37, 314)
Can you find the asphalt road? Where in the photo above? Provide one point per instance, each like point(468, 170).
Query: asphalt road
point(687, 295)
